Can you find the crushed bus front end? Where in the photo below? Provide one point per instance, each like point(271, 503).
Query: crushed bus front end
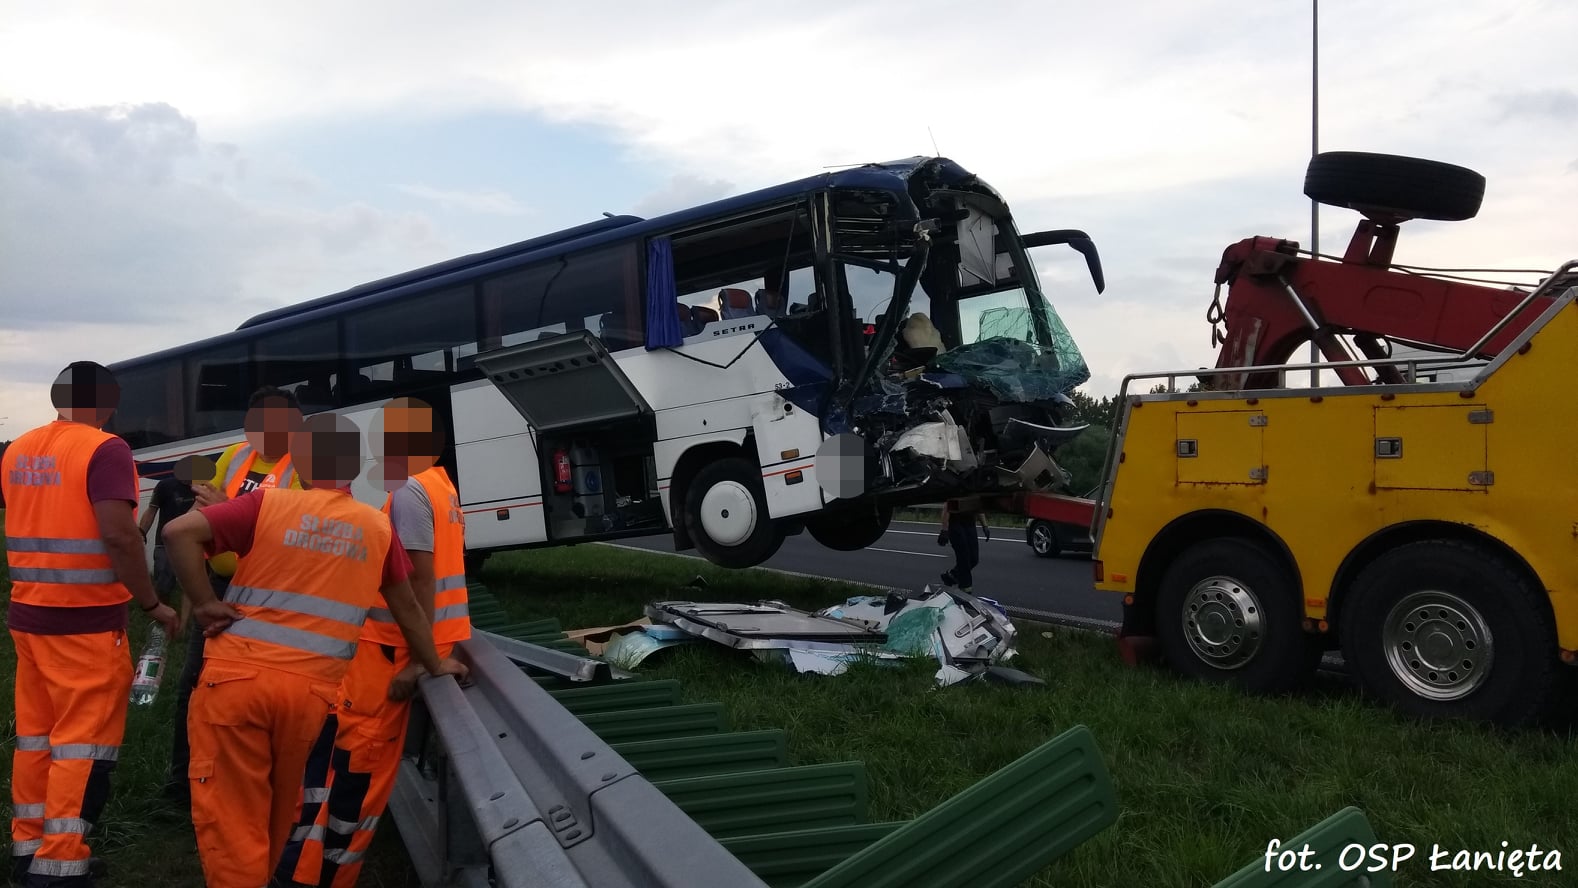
point(965, 382)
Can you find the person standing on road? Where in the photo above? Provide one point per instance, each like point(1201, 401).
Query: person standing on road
point(75, 558)
point(172, 498)
point(354, 765)
point(958, 529)
point(262, 461)
point(311, 564)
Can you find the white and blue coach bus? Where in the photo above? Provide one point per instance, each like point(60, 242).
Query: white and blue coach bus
point(804, 358)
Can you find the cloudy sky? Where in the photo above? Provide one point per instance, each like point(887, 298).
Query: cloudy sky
point(169, 169)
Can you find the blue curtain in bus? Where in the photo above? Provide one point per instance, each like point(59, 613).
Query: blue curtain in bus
point(663, 330)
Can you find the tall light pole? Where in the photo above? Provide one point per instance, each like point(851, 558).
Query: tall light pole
point(1314, 150)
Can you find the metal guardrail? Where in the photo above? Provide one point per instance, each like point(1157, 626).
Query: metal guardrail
point(509, 786)
point(556, 662)
point(528, 776)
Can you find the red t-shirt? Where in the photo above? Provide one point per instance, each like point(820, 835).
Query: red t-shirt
point(112, 475)
point(235, 520)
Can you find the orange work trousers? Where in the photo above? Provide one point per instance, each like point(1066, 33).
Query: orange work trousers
point(71, 697)
point(352, 773)
point(251, 729)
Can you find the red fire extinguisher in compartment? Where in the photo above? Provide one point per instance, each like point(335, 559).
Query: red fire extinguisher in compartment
point(561, 471)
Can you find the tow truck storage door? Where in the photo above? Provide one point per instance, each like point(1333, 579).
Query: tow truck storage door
point(1221, 447)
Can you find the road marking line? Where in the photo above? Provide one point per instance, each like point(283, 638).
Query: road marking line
point(924, 533)
point(903, 552)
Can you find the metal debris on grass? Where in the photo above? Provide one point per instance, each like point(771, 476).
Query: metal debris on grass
point(969, 637)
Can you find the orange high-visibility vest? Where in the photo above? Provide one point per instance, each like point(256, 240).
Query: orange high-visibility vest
point(53, 548)
point(304, 588)
point(241, 462)
point(451, 611)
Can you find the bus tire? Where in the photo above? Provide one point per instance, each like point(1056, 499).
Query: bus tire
point(1229, 613)
point(1388, 183)
point(1449, 629)
point(849, 530)
point(726, 514)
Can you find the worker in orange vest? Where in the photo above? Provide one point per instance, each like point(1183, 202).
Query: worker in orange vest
point(262, 460)
point(355, 768)
point(312, 563)
point(76, 558)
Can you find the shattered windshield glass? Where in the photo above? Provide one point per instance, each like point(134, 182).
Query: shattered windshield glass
point(1003, 336)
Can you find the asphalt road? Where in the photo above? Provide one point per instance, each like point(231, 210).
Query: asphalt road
point(908, 557)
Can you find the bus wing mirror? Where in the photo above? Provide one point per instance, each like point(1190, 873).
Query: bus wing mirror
point(1077, 239)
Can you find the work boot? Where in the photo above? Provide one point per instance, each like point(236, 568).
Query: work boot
point(947, 578)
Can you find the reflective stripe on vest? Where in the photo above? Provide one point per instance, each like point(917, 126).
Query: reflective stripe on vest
point(451, 611)
point(241, 463)
point(54, 551)
point(305, 586)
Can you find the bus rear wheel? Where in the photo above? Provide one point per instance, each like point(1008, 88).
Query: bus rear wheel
point(726, 514)
point(1228, 612)
point(849, 530)
point(1446, 629)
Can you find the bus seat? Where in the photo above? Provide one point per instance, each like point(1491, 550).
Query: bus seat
point(735, 303)
point(687, 321)
point(703, 316)
point(311, 395)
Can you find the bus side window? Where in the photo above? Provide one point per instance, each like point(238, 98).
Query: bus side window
point(219, 381)
point(304, 360)
point(414, 342)
point(151, 410)
point(596, 290)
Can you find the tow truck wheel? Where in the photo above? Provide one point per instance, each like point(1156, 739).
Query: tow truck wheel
point(1042, 540)
point(1391, 184)
point(849, 530)
point(726, 514)
point(1445, 629)
point(1228, 612)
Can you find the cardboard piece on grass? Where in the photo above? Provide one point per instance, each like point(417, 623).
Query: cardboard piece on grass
point(597, 639)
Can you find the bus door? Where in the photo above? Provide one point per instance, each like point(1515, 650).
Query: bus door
point(594, 433)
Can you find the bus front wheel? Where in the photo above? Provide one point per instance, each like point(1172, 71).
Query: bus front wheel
point(1447, 629)
point(726, 514)
point(1228, 612)
point(850, 530)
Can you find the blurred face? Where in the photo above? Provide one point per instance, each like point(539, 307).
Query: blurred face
point(87, 393)
point(409, 437)
point(327, 450)
point(270, 425)
point(194, 468)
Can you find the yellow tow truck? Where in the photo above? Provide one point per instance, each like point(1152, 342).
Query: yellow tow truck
point(1420, 515)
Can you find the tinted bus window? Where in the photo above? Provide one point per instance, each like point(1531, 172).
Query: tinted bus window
point(152, 409)
point(597, 291)
point(220, 380)
point(304, 360)
point(413, 343)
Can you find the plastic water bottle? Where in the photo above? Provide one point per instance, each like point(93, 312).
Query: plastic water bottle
point(150, 669)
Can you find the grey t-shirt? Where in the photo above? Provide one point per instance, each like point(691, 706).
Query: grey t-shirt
point(411, 513)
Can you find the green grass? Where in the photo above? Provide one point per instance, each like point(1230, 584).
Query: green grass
point(1205, 776)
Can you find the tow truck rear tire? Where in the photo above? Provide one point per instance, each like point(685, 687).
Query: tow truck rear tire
point(1388, 183)
point(726, 514)
point(1448, 629)
point(1228, 612)
point(849, 530)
